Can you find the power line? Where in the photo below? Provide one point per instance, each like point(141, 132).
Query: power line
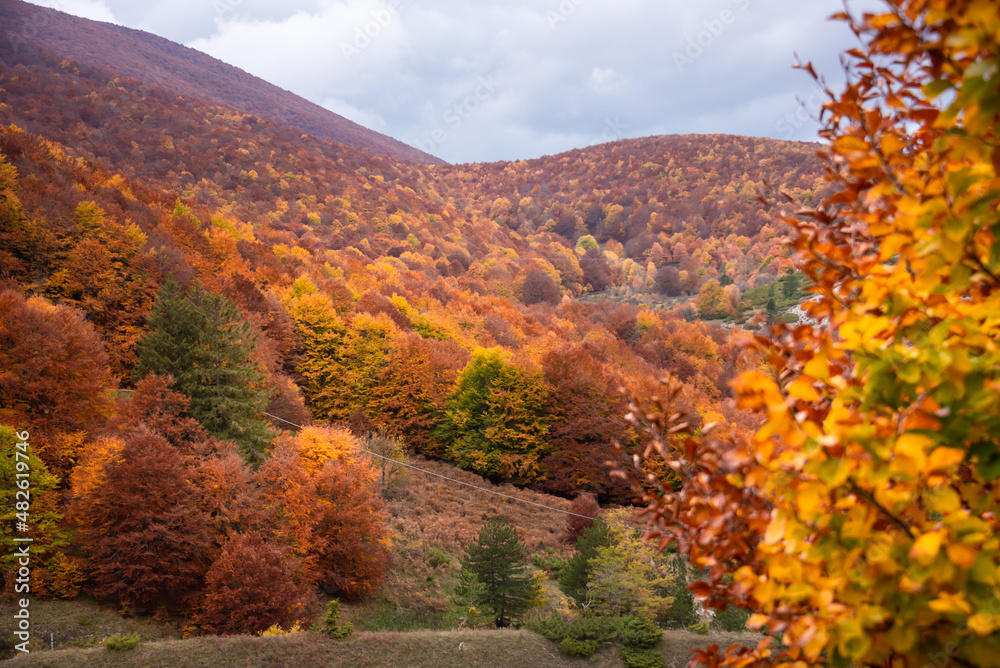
point(482, 489)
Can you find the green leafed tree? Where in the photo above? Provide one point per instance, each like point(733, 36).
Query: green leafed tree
point(574, 577)
point(627, 576)
point(711, 301)
point(200, 340)
point(498, 559)
point(496, 422)
point(31, 500)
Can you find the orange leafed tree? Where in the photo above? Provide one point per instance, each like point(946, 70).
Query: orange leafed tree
point(328, 510)
point(352, 549)
point(250, 588)
point(146, 542)
point(54, 376)
point(860, 521)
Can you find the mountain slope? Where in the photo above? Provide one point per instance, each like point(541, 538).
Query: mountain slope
point(182, 71)
point(108, 185)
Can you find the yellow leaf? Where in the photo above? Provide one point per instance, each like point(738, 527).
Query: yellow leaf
point(943, 500)
point(803, 389)
point(914, 447)
point(983, 624)
point(891, 144)
point(853, 642)
point(809, 498)
point(950, 603)
point(775, 529)
point(961, 555)
point(945, 458)
point(926, 548)
point(903, 636)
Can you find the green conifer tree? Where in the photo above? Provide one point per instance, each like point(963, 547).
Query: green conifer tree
point(202, 342)
point(574, 577)
point(498, 559)
point(772, 311)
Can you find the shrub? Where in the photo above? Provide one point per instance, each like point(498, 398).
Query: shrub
point(640, 632)
point(731, 619)
point(122, 643)
point(640, 657)
point(331, 622)
point(700, 627)
point(577, 637)
point(276, 630)
point(581, 648)
point(550, 563)
point(436, 557)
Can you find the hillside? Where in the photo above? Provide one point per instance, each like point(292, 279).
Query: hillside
point(438, 649)
point(196, 274)
point(183, 72)
point(226, 345)
point(451, 259)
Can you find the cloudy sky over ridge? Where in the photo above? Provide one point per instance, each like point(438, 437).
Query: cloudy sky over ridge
point(510, 79)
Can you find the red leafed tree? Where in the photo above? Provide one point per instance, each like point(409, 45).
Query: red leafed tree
point(415, 387)
point(353, 547)
point(250, 588)
point(145, 539)
point(162, 409)
point(54, 375)
point(584, 509)
point(588, 412)
point(228, 496)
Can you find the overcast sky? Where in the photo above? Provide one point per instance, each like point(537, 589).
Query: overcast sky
point(483, 80)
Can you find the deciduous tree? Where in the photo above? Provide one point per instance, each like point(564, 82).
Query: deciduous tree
point(496, 421)
point(249, 588)
point(145, 539)
point(54, 375)
point(860, 522)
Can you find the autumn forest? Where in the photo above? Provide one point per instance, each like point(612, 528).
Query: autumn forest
point(225, 332)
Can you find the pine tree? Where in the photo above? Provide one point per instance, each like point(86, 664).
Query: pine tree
point(498, 560)
point(772, 311)
point(202, 342)
point(574, 577)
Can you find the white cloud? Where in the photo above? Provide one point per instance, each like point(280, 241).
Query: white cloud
point(363, 117)
point(604, 79)
point(408, 67)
